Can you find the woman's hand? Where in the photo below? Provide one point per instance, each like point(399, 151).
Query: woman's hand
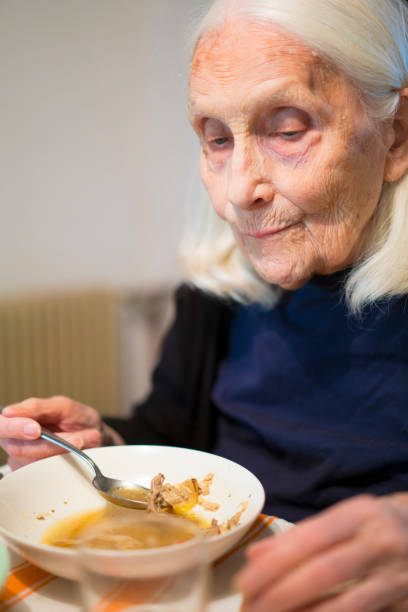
point(351, 557)
point(20, 428)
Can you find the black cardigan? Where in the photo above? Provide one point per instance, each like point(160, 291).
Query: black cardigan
point(179, 410)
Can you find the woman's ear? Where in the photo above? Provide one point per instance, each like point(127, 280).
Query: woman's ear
point(396, 163)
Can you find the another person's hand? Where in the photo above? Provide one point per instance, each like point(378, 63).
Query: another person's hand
point(20, 428)
point(353, 556)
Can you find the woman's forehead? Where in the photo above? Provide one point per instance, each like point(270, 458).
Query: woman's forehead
point(241, 45)
point(253, 55)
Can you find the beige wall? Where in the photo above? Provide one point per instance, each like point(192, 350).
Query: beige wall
point(95, 149)
point(96, 154)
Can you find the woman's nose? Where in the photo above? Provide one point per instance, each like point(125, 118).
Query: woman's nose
point(248, 180)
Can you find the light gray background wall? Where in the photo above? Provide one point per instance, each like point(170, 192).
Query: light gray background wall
point(95, 148)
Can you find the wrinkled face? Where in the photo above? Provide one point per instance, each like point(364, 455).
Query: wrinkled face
point(288, 155)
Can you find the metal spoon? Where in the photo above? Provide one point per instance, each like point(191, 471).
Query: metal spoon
point(120, 492)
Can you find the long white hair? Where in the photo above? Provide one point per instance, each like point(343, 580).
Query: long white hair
point(368, 41)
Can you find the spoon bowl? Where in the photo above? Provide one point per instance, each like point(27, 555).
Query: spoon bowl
point(120, 492)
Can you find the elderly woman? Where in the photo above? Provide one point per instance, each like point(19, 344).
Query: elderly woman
point(289, 352)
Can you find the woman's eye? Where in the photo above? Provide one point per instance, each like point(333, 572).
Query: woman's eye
point(216, 137)
point(287, 125)
point(220, 141)
point(291, 134)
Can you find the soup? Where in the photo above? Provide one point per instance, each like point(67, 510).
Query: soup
point(117, 528)
point(169, 519)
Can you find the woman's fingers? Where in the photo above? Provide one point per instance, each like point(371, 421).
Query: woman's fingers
point(59, 413)
point(39, 449)
point(341, 547)
point(19, 427)
point(287, 551)
point(385, 592)
point(260, 548)
point(335, 569)
point(91, 438)
point(47, 410)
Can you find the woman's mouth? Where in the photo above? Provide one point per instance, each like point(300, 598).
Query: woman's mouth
point(266, 232)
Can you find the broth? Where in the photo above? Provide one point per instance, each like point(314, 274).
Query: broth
point(116, 528)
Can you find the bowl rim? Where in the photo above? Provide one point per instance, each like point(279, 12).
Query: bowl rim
point(118, 447)
point(10, 536)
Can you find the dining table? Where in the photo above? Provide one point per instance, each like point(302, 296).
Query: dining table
point(29, 588)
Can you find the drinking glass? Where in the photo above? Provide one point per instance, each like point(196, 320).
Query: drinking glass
point(171, 578)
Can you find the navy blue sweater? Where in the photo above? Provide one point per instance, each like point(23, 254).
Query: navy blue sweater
point(309, 398)
point(315, 401)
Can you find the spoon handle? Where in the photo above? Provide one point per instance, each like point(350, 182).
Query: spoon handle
point(54, 439)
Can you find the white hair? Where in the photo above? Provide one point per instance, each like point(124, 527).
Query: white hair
point(368, 41)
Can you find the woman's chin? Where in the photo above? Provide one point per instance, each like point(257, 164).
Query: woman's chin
point(294, 284)
point(286, 277)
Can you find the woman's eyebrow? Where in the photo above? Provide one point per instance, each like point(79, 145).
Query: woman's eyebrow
point(291, 93)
